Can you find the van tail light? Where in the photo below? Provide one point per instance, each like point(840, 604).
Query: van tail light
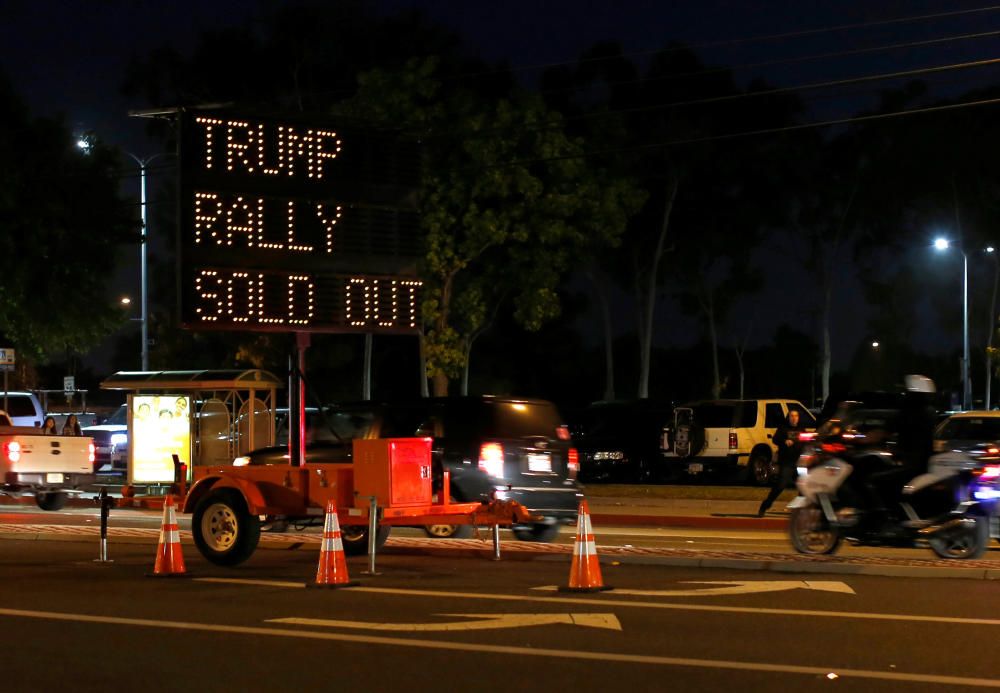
point(12, 451)
point(573, 463)
point(491, 459)
point(734, 440)
point(562, 432)
point(91, 452)
point(807, 436)
point(833, 448)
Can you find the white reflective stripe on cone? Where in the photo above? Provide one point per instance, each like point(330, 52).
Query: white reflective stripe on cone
point(587, 528)
point(332, 544)
point(173, 537)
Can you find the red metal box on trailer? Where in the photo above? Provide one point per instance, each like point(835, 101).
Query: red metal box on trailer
point(397, 471)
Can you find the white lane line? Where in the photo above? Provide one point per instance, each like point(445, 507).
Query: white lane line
point(479, 648)
point(604, 601)
point(482, 622)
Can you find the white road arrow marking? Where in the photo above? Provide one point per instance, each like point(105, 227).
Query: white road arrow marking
point(483, 622)
point(736, 587)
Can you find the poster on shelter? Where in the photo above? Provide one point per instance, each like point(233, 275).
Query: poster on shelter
point(160, 428)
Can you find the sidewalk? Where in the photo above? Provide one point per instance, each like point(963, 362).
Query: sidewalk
point(709, 507)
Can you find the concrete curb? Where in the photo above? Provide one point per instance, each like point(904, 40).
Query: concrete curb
point(511, 553)
point(699, 521)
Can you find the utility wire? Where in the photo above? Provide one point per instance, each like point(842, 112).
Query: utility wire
point(739, 41)
point(748, 133)
point(780, 61)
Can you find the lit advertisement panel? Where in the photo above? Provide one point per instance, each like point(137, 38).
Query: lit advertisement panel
point(160, 427)
point(296, 225)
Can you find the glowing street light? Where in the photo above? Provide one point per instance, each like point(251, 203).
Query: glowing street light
point(126, 301)
point(941, 244)
point(874, 345)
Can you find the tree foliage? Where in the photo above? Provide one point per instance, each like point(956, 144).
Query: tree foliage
point(61, 220)
point(508, 205)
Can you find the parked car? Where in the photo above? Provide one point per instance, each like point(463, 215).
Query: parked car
point(975, 436)
point(620, 441)
point(507, 448)
point(111, 442)
point(23, 408)
point(728, 437)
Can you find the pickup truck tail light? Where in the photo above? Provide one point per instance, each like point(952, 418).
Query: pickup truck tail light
point(988, 473)
point(491, 459)
point(12, 451)
point(573, 463)
point(734, 440)
point(91, 452)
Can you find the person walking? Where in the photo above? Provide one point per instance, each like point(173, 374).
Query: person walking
point(786, 437)
point(49, 426)
point(72, 426)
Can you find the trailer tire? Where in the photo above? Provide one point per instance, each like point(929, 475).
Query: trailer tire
point(53, 500)
point(355, 539)
point(224, 530)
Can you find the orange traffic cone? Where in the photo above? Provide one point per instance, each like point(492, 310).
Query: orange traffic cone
point(169, 559)
point(332, 570)
point(585, 571)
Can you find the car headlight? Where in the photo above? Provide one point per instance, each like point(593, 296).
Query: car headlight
point(241, 461)
point(119, 439)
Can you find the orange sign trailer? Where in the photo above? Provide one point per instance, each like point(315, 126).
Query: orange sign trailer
point(388, 482)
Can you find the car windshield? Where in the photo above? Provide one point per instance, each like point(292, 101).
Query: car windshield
point(970, 428)
point(120, 417)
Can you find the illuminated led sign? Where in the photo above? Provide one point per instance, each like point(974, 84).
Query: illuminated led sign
point(296, 226)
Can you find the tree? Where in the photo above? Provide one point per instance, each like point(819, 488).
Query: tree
point(508, 204)
point(61, 220)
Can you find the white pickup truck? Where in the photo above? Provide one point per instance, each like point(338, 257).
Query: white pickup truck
point(50, 467)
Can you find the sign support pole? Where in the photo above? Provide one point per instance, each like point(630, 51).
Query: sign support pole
point(366, 386)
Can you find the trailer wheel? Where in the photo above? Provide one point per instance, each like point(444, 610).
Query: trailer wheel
point(355, 538)
point(53, 500)
point(224, 530)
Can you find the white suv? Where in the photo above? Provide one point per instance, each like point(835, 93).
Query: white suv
point(731, 437)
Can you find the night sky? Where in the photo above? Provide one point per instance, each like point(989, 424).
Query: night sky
point(69, 58)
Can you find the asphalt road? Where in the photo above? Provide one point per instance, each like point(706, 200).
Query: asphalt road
point(744, 540)
point(464, 624)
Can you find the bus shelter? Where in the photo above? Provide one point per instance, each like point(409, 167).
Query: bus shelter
point(204, 417)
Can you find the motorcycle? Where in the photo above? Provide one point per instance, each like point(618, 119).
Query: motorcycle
point(950, 508)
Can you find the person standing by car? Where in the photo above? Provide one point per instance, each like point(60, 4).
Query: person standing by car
point(786, 437)
point(49, 427)
point(72, 426)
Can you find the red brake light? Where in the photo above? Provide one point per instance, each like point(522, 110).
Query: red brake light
point(12, 450)
point(91, 452)
point(807, 436)
point(491, 459)
point(734, 440)
point(990, 472)
point(833, 447)
point(573, 463)
point(562, 432)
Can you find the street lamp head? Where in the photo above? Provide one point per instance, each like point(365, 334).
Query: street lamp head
point(126, 301)
point(941, 243)
point(989, 249)
point(874, 345)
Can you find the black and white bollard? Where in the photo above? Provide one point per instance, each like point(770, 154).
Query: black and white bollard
point(106, 503)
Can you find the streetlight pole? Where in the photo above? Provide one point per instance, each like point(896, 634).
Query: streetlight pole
point(944, 244)
point(143, 252)
point(966, 383)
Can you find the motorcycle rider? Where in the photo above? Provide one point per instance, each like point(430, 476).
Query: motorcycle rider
point(914, 442)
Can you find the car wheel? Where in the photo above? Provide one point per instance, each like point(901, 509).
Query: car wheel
point(224, 531)
point(759, 468)
point(52, 500)
point(545, 533)
point(355, 538)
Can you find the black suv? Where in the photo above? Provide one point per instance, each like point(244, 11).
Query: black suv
point(508, 448)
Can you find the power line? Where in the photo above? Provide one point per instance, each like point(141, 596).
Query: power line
point(739, 41)
point(749, 133)
point(783, 61)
